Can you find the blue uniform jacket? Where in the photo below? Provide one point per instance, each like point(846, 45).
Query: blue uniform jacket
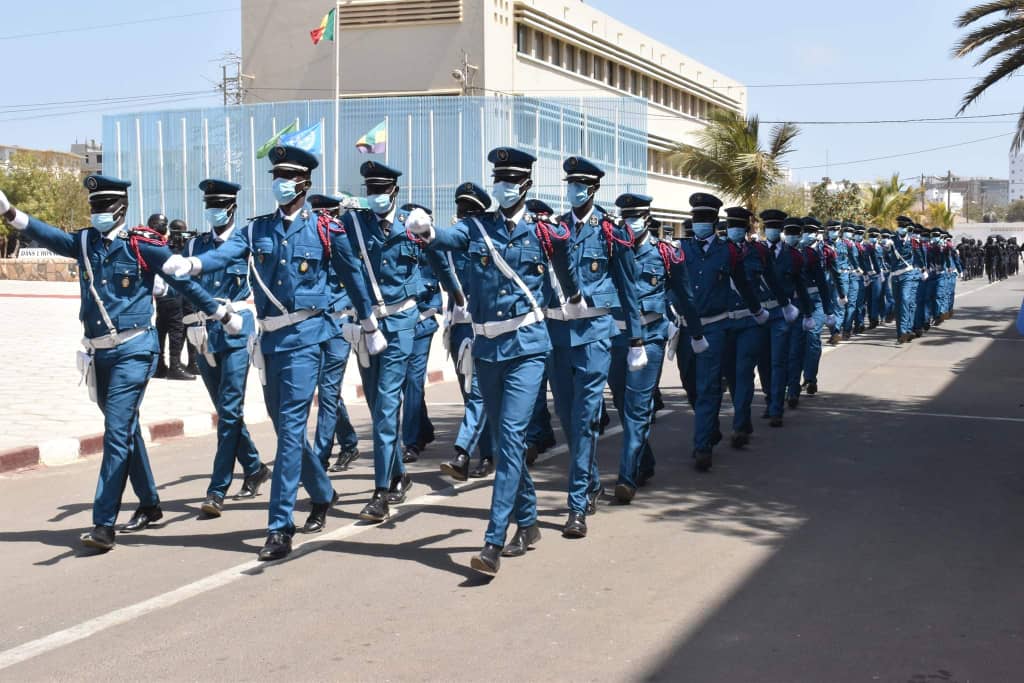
point(294, 264)
point(606, 277)
point(814, 273)
point(124, 285)
point(230, 283)
point(494, 298)
point(788, 266)
point(710, 273)
point(656, 287)
point(429, 298)
point(762, 277)
point(846, 255)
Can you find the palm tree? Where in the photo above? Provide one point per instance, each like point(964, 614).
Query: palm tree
point(939, 215)
point(1003, 37)
point(887, 201)
point(729, 156)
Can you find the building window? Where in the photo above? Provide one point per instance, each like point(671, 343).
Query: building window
point(570, 58)
point(634, 82)
point(540, 44)
point(556, 52)
point(585, 64)
point(598, 68)
point(522, 38)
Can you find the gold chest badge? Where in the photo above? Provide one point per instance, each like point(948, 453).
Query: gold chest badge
point(304, 266)
point(484, 261)
point(262, 256)
point(594, 266)
point(654, 280)
point(125, 282)
point(540, 268)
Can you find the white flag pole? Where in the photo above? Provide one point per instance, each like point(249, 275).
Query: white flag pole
point(160, 158)
point(337, 91)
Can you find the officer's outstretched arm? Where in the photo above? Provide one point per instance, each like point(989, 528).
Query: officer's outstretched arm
point(54, 239)
point(439, 264)
point(682, 298)
point(154, 258)
point(623, 271)
point(348, 268)
point(235, 249)
point(453, 238)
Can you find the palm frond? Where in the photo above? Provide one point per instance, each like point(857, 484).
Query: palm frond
point(986, 8)
point(1018, 138)
point(985, 34)
point(1011, 41)
point(1007, 66)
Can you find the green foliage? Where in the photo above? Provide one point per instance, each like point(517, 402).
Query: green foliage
point(846, 203)
point(789, 198)
point(729, 156)
point(1002, 41)
point(34, 184)
point(938, 215)
point(887, 201)
point(1015, 212)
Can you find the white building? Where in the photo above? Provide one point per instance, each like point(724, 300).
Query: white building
point(515, 47)
point(1016, 177)
point(92, 155)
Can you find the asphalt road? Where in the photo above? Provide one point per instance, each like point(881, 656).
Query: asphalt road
point(878, 537)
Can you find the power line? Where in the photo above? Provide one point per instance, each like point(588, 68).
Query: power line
point(904, 154)
point(100, 108)
point(936, 79)
point(950, 119)
point(128, 99)
point(80, 29)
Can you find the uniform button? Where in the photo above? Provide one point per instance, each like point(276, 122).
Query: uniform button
point(98, 322)
point(103, 282)
point(278, 283)
point(284, 243)
point(283, 262)
point(384, 262)
point(500, 314)
point(503, 292)
point(511, 244)
point(216, 283)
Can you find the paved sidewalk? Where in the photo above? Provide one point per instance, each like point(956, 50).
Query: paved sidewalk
point(53, 419)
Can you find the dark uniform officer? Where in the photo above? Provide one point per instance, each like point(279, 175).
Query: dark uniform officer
point(117, 268)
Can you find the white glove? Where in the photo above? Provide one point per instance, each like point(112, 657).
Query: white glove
point(790, 313)
point(924, 275)
point(576, 310)
point(761, 317)
point(699, 345)
point(376, 342)
point(234, 324)
point(830, 320)
point(418, 223)
point(636, 359)
point(843, 301)
point(808, 324)
point(159, 286)
point(5, 204)
point(178, 267)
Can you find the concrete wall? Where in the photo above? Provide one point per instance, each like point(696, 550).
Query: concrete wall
point(48, 270)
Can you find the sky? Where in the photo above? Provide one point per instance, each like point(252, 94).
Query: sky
point(173, 63)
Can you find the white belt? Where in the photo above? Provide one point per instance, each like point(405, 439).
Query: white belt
point(848, 270)
point(497, 328)
point(384, 310)
point(714, 318)
point(645, 319)
point(112, 341)
point(199, 318)
point(901, 271)
point(345, 313)
point(812, 290)
point(559, 314)
point(277, 322)
point(461, 316)
point(429, 313)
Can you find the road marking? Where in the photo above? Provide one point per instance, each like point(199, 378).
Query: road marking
point(90, 627)
point(912, 413)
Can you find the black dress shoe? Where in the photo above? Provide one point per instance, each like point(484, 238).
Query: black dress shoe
point(531, 454)
point(812, 388)
point(458, 467)
point(161, 373)
point(399, 487)
point(377, 509)
point(624, 493)
point(213, 505)
point(143, 517)
point(592, 498)
point(739, 439)
point(318, 515)
point(575, 525)
point(345, 458)
point(702, 460)
point(193, 367)
point(833, 340)
point(483, 469)
point(101, 538)
point(278, 546)
point(180, 373)
point(488, 561)
point(410, 454)
point(251, 484)
point(793, 402)
point(521, 542)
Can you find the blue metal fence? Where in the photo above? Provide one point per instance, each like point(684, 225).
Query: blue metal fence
point(438, 142)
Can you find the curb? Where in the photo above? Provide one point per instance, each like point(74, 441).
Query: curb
point(64, 451)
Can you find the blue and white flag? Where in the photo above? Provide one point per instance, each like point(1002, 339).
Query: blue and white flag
point(310, 139)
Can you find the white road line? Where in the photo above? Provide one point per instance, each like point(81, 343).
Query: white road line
point(910, 413)
point(90, 627)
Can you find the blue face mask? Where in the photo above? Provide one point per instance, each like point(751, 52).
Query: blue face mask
point(379, 203)
point(702, 231)
point(104, 222)
point(508, 194)
point(832, 234)
point(848, 235)
point(902, 232)
point(637, 224)
point(736, 234)
point(806, 239)
point(284, 190)
point(216, 217)
point(873, 240)
point(577, 194)
point(792, 240)
point(858, 238)
point(772, 234)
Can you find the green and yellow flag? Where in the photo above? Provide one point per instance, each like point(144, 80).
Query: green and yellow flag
point(325, 31)
point(264, 150)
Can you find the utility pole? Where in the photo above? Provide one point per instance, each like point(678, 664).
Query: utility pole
point(949, 187)
point(922, 193)
point(465, 73)
point(232, 86)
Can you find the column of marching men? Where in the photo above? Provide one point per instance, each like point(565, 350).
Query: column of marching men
point(578, 302)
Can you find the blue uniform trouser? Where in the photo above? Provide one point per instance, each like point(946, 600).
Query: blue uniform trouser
point(509, 389)
point(332, 416)
point(415, 421)
point(633, 396)
point(874, 297)
point(686, 364)
point(473, 430)
point(852, 286)
point(743, 344)
point(862, 297)
point(578, 375)
point(121, 378)
point(782, 335)
point(291, 380)
point(920, 301)
point(811, 348)
point(382, 385)
point(904, 290)
point(225, 383)
point(709, 386)
point(540, 423)
point(887, 301)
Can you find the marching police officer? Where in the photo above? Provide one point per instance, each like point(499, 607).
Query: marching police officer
point(224, 359)
point(117, 267)
point(292, 251)
point(822, 313)
point(903, 277)
point(509, 253)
